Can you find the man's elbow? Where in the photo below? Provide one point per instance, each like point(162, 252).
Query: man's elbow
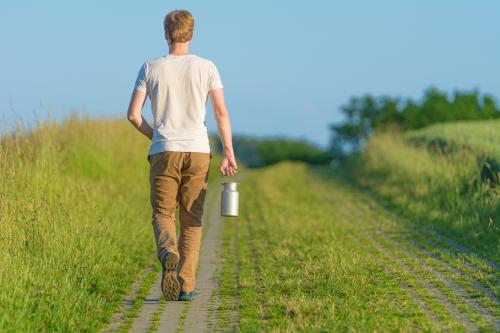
point(134, 119)
point(130, 118)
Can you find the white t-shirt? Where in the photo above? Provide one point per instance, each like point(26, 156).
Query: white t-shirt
point(178, 87)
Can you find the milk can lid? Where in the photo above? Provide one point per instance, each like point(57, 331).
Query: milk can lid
point(230, 186)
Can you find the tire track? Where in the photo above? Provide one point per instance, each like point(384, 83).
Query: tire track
point(482, 264)
point(388, 262)
point(480, 313)
point(256, 261)
point(456, 294)
point(170, 317)
point(118, 319)
point(150, 305)
point(198, 316)
point(431, 236)
point(230, 300)
point(462, 249)
point(430, 287)
point(357, 215)
point(235, 317)
point(427, 237)
point(463, 295)
point(410, 235)
point(452, 270)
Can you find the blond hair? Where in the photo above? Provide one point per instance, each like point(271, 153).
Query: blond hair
point(179, 26)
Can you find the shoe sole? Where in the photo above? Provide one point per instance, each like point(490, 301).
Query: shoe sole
point(169, 284)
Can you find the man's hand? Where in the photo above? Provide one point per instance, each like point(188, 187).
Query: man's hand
point(228, 165)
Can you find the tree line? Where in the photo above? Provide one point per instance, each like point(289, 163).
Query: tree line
point(366, 114)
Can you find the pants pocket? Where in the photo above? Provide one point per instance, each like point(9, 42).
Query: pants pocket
point(208, 170)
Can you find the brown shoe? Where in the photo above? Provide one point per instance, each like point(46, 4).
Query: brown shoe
point(169, 284)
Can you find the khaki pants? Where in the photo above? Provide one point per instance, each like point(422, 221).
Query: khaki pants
point(179, 179)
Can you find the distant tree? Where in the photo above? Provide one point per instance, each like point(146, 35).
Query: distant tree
point(275, 150)
point(366, 114)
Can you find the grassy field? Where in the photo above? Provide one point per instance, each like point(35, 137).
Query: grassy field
point(311, 253)
point(481, 136)
point(442, 178)
point(403, 239)
point(73, 224)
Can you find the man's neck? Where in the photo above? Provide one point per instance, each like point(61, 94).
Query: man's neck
point(179, 49)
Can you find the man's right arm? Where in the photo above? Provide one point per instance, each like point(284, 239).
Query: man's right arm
point(228, 165)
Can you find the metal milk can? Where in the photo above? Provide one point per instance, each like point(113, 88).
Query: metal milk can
point(229, 199)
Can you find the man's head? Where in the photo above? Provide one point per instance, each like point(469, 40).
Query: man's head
point(179, 26)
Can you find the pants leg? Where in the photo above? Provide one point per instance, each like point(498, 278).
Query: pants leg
point(194, 182)
point(165, 179)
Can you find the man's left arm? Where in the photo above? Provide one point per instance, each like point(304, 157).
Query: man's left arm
point(134, 113)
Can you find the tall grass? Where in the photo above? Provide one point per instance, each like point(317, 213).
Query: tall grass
point(440, 188)
point(481, 136)
point(74, 223)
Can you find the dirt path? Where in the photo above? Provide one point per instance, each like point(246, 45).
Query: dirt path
point(157, 315)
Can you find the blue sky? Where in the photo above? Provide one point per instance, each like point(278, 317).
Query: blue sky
point(287, 66)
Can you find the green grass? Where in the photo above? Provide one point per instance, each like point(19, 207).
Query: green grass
point(139, 300)
point(315, 248)
point(155, 319)
point(433, 178)
point(75, 224)
point(75, 220)
point(482, 136)
point(297, 268)
point(311, 253)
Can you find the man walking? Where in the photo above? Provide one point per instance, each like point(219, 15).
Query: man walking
point(178, 86)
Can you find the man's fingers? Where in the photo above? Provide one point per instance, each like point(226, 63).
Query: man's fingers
point(228, 169)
